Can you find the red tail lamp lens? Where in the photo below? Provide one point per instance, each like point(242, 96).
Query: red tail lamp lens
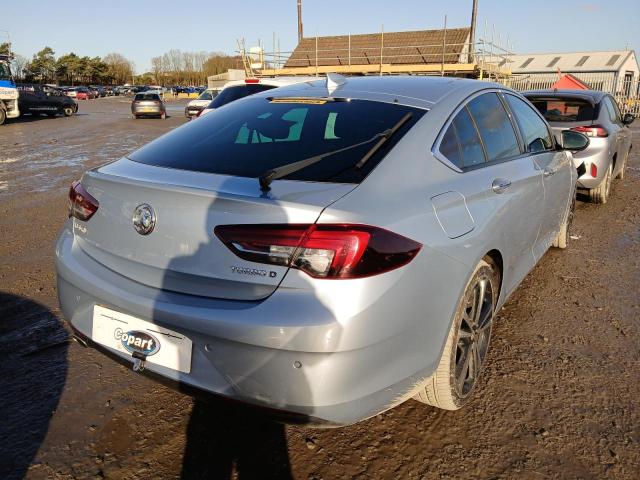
point(592, 131)
point(322, 251)
point(81, 204)
point(594, 170)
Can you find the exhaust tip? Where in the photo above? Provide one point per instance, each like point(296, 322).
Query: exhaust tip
point(81, 341)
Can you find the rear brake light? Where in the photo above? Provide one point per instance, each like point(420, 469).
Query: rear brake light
point(592, 131)
point(322, 251)
point(81, 204)
point(251, 80)
point(594, 170)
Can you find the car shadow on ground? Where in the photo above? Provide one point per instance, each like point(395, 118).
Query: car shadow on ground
point(33, 356)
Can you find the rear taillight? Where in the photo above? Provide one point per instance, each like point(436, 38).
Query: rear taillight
point(592, 131)
point(81, 204)
point(594, 170)
point(322, 251)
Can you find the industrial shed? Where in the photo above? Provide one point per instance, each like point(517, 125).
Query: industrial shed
point(615, 72)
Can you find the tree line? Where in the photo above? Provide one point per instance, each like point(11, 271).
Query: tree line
point(173, 68)
point(70, 69)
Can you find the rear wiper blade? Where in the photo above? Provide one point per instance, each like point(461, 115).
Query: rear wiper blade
point(386, 135)
point(266, 178)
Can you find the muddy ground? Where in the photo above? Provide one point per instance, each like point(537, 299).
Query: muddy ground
point(559, 397)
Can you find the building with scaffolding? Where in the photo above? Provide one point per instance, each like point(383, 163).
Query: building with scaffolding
point(423, 52)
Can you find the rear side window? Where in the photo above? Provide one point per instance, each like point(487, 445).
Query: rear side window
point(251, 137)
point(461, 143)
point(231, 94)
point(564, 109)
point(495, 128)
point(612, 110)
point(535, 133)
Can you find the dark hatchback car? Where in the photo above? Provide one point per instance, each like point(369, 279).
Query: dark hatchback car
point(45, 100)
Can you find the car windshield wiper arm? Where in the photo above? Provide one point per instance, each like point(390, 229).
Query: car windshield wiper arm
point(386, 135)
point(266, 178)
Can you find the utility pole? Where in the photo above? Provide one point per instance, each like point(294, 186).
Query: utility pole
point(299, 21)
point(472, 32)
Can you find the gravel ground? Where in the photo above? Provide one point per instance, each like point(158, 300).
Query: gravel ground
point(558, 399)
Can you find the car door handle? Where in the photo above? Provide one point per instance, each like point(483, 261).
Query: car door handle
point(499, 185)
point(549, 171)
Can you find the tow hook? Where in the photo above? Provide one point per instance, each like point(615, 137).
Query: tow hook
point(138, 362)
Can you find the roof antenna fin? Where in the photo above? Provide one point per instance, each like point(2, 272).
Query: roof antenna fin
point(334, 80)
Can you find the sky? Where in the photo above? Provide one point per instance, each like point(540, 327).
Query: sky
point(142, 29)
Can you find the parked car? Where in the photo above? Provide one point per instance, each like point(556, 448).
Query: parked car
point(71, 92)
point(237, 89)
point(325, 250)
point(148, 104)
point(194, 107)
point(45, 100)
point(79, 93)
point(596, 114)
point(99, 90)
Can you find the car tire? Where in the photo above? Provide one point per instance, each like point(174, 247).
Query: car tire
point(562, 240)
point(3, 116)
point(451, 385)
point(600, 194)
point(135, 117)
point(621, 173)
point(68, 111)
point(163, 116)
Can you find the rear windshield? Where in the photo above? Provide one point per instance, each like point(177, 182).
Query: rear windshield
point(252, 136)
point(564, 109)
point(230, 94)
point(147, 96)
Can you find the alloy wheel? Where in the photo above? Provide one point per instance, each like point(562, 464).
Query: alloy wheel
point(473, 336)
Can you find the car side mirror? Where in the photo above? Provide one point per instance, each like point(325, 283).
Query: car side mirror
point(573, 141)
point(628, 118)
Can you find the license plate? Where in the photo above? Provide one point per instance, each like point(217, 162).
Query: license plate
point(131, 335)
point(147, 109)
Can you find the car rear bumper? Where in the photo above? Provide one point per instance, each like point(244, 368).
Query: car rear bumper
point(147, 111)
point(282, 353)
point(598, 153)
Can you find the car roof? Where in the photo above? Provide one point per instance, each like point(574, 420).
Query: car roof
point(412, 90)
point(593, 96)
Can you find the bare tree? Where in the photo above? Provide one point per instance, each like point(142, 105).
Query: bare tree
point(18, 63)
point(120, 68)
point(157, 66)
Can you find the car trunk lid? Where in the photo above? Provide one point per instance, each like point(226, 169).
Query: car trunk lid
point(182, 253)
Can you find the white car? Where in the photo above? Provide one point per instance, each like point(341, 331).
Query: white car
point(237, 89)
point(194, 107)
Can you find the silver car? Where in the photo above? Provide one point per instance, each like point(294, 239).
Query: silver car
point(595, 114)
point(324, 250)
point(148, 104)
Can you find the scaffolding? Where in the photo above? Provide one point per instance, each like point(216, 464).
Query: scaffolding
point(484, 59)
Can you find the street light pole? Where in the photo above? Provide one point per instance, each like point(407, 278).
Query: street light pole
point(472, 31)
point(300, 21)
